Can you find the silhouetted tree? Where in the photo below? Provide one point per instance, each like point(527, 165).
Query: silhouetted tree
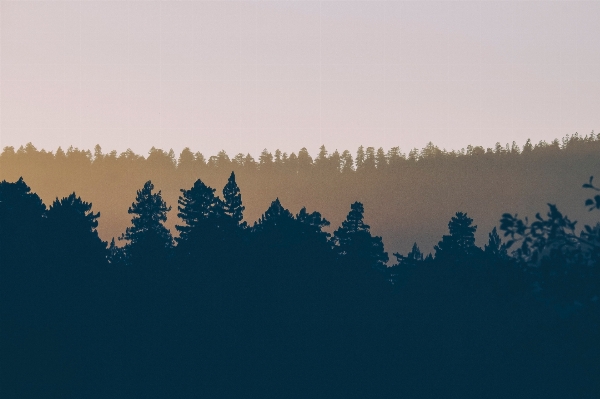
point(495, 248)
point(355, 243)
point(460, 243)
point(381, 159)
point(360, 158)
point(203, 233)
point(21, 218)
point(148, 239)
point(232, 202)
point(72, 227)
point(347, 162)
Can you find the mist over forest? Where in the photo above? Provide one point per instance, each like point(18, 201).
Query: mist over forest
point(408, 197)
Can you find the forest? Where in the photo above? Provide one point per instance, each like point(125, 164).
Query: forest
point(293, 304)
point(409, 197)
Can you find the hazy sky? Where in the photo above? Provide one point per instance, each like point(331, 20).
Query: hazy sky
point(243, 76)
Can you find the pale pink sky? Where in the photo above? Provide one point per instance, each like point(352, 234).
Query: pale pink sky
point(243, 76)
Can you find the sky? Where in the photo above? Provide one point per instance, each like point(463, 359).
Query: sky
point(247, 75)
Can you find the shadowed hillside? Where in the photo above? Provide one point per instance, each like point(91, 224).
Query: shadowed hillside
point(408, 197)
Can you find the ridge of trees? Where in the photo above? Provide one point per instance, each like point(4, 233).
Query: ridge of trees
point(366, 159)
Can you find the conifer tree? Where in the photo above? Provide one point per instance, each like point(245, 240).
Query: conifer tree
point(312, 224)
point(495, 247)
point(148, 238)
point(72, 225)
point(412, 258)
point(381, 159)
point(461, 240)
point(275, 216)
point(201, 211)
point(356, 244)
point(232, 204)
point(347, 162)
point(360, 157)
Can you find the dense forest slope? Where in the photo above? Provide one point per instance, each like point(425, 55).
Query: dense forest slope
point(407, 197)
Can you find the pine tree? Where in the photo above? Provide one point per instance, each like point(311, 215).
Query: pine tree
point(201, 211)
point(232, 204)
point(360, 158)
point(347, 162)
point(414, 257)
point(495, 248)
point(369, 163)
point(355, 243)
point(322, 160)
point(274, 217)
point(312, 225)
point(149, 239)
point(380, 159)
point(73, 232)
point(460, 242)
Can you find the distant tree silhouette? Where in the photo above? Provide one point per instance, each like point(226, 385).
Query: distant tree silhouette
point(414, 257)
point(460, 243)
point(370, 162)
point(335, 162)
point(360, 158)
point(381, 159)
point(405, 265)
point(495, 248)
point(148, 239)
point(305, 161)
point(347, 162)
point(354, 242)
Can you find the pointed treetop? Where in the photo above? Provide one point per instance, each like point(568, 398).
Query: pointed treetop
point(232, 203)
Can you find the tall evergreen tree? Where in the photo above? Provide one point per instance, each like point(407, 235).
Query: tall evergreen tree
point(460, 242)
point(381, 159)
point(274, 217)
point(198, 207)
point(356, 244)
point(232, 203)
point(148, 238)
point(347, 162)
point(495, 247)
point(360, 158)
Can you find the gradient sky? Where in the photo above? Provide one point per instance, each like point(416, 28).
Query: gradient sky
point(243, 76)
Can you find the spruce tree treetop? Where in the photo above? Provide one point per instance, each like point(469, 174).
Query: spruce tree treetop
point(196, 206)
point(313, 224)
point(495, 247)
point(232, 204)
point(276, 215)
point(355, 242)
point(461, 241)
point(150, 212)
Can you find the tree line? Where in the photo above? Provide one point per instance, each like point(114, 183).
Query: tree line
point(365, 159)
point(284, 308)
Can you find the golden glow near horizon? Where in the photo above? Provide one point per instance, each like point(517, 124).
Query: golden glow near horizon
point(243, 76)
